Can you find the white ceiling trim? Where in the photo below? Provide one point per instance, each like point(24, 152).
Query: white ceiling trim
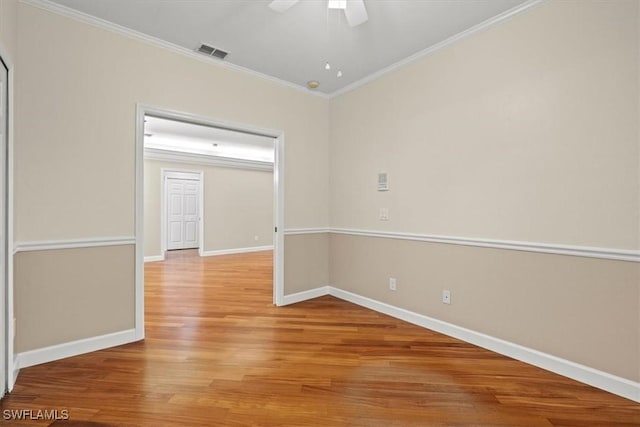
point(202, 159)
point(154, 41)
point(104, 24)
point(436, 47)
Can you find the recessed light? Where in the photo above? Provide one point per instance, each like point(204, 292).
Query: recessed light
point(313, 84)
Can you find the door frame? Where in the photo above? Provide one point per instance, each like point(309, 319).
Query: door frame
point(4, 320)
point(7, 321)
point(195, 175)
point(278, 197)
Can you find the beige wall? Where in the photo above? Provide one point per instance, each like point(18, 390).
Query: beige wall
point(8, 22)
point(74, 157)
point(75, 164)
point(306, 259)
point(526, 131)
point(70, 294)
point(238, 206)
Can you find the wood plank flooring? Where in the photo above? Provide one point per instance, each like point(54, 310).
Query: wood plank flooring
point(218, 352)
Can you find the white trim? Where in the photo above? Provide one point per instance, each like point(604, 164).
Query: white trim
point(546, 248)
point(438, 46)
point(201, 159)
point(196, 175)
point(139, 223)
point(15, 371)
point(237, 251)
point(47, 245)
point(187, 174)
point(278, 215)
point(74, 348)
point(602, 380)
point(306, 295)
point(4, 256)
point(153, 258)
point(297, 231)
point(154, 41)
point(9, 314)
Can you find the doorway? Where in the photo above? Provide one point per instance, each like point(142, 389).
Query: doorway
point(277, 166)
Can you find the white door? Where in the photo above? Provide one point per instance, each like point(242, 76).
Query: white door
point(6, 350)
point(182, 215)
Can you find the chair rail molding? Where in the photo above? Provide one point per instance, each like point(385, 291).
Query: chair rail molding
point(547, 248)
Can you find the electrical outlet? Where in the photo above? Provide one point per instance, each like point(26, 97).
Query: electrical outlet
point(384, 214)
point(256, 238)
point(393, 284)
point(446, 296)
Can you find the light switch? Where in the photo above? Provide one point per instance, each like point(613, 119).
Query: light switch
point(384, 214)
point(383, 181)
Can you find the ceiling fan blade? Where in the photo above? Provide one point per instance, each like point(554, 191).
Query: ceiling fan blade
point(356, 13)
point(282, 5)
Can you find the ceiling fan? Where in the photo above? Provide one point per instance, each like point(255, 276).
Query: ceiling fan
point(354, 10)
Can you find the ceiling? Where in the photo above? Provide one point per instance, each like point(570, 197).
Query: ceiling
point(173, 135)
point(294, 46)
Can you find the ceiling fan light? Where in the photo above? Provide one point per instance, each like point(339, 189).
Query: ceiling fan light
point(327, 66)
point(356, 13)
point(337, 4)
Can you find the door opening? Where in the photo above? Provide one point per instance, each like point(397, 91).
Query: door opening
point(184, 231)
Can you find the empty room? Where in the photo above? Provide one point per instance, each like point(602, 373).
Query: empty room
point(320, 212)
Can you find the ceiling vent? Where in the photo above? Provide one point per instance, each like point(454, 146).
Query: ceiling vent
point(212, 51)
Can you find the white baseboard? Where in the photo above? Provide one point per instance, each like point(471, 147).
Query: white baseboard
point(15, 372)
point(74, 348)
point(237, 251)
point(305, 295)
point(596, 378)
point(153, 258)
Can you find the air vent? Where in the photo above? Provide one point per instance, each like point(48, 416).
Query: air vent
point(212, 51)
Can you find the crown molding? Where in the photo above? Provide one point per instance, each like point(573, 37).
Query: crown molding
point(154, 41)
point(438, 46)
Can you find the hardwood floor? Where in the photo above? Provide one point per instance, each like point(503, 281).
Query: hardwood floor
point(218, 352)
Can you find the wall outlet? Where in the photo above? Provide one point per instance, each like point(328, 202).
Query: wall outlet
point(393, 284)
point(384, 214)
point(446, 296)
point(256, 238)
